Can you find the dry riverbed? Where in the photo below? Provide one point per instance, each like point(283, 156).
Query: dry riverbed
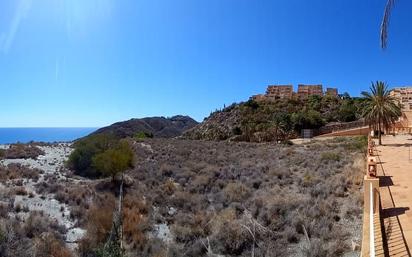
point(30, 194)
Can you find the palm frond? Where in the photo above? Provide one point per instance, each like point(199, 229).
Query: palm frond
point(385, 23)
point(380, 107)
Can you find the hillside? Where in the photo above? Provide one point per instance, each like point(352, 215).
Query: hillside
point(158, 127)
point(205, 202)
point(194, 199)
point(279, 120)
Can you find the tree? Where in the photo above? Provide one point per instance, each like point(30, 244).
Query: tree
point(381, 110)
point(281, 124)
point(81, 159)
point(307, 119)
point(347, 111)
point(114, 160)
point(385, 22)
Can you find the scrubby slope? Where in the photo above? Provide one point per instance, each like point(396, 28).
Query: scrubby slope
point(156, 126)
point(234, 198)
point(193, 198)
point(277, 120)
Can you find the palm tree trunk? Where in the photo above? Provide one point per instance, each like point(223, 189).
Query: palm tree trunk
point(379, 131)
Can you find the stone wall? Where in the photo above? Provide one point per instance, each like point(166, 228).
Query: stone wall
point(339, 126)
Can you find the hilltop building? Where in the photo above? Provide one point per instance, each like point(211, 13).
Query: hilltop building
point(279, 91)
point(258, 98)
point(304, 91)
point(274, 92)
point(404, 97)
point(332, 91)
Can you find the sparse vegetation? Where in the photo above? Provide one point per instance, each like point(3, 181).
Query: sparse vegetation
point(37, 236)
point(212, 195)
point(21, 151)
point(17, 171)
point(206, 199)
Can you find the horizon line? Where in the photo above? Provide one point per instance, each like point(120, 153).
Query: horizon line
point(50, 127)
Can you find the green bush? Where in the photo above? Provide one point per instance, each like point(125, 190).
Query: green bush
point(330, 156)
point(92, 153)
point(307, 119)
point(142, 135)
point(359, 143)
point(114, 160)
point(110, 250)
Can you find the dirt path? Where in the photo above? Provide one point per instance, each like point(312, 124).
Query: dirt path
point(395, 172)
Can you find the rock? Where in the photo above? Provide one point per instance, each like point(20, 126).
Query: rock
point(127, 180)
point(172, 211)
point(355, 246)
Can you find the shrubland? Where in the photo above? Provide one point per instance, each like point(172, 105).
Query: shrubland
point(21, 151)
point(196, 198)
point(238, 199)
point(35, 236)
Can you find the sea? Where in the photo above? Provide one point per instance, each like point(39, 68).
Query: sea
point(47, 135)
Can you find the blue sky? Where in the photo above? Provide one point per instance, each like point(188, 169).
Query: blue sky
point(95, 62)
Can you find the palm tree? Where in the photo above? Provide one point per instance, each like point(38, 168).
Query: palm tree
point(381, 110)
point(385, 22)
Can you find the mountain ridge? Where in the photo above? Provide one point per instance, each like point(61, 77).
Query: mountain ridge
point(158, 127)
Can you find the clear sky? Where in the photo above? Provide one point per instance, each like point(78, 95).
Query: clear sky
point(95, 62)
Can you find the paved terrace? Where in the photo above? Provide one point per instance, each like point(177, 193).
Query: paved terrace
point(395, 174)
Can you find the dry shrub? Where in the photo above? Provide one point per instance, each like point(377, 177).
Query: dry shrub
point(169, 187)
point(222, 218)
point(100, 219)
point(20, 191)
point(35, 224)
point(135, 221)
point(22, 151)
point(285, 188)
point(236, 192)
point(18, 171)
point(4, 210)
point(330, 156)
point(48, 245)
point(232, 239)
point(201, 184)
point(190, 227)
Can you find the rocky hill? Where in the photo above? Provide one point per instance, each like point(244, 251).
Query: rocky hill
point(280, 120)
point(220, 125)
point(159, 127)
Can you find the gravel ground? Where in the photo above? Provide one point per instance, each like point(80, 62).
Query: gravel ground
point(51, 163)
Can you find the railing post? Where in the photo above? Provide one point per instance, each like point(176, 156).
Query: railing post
point(371, 207)
point(372, 167)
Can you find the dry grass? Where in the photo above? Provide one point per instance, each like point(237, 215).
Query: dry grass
point(37, 236)
point(135, 222)
point(17, 171)
point(99, 217)
point(214, 186)
point(21, 151)
point(48, 245)
point(212, 195)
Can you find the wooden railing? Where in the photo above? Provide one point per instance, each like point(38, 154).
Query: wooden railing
point(371, 234)
point(371, 223)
